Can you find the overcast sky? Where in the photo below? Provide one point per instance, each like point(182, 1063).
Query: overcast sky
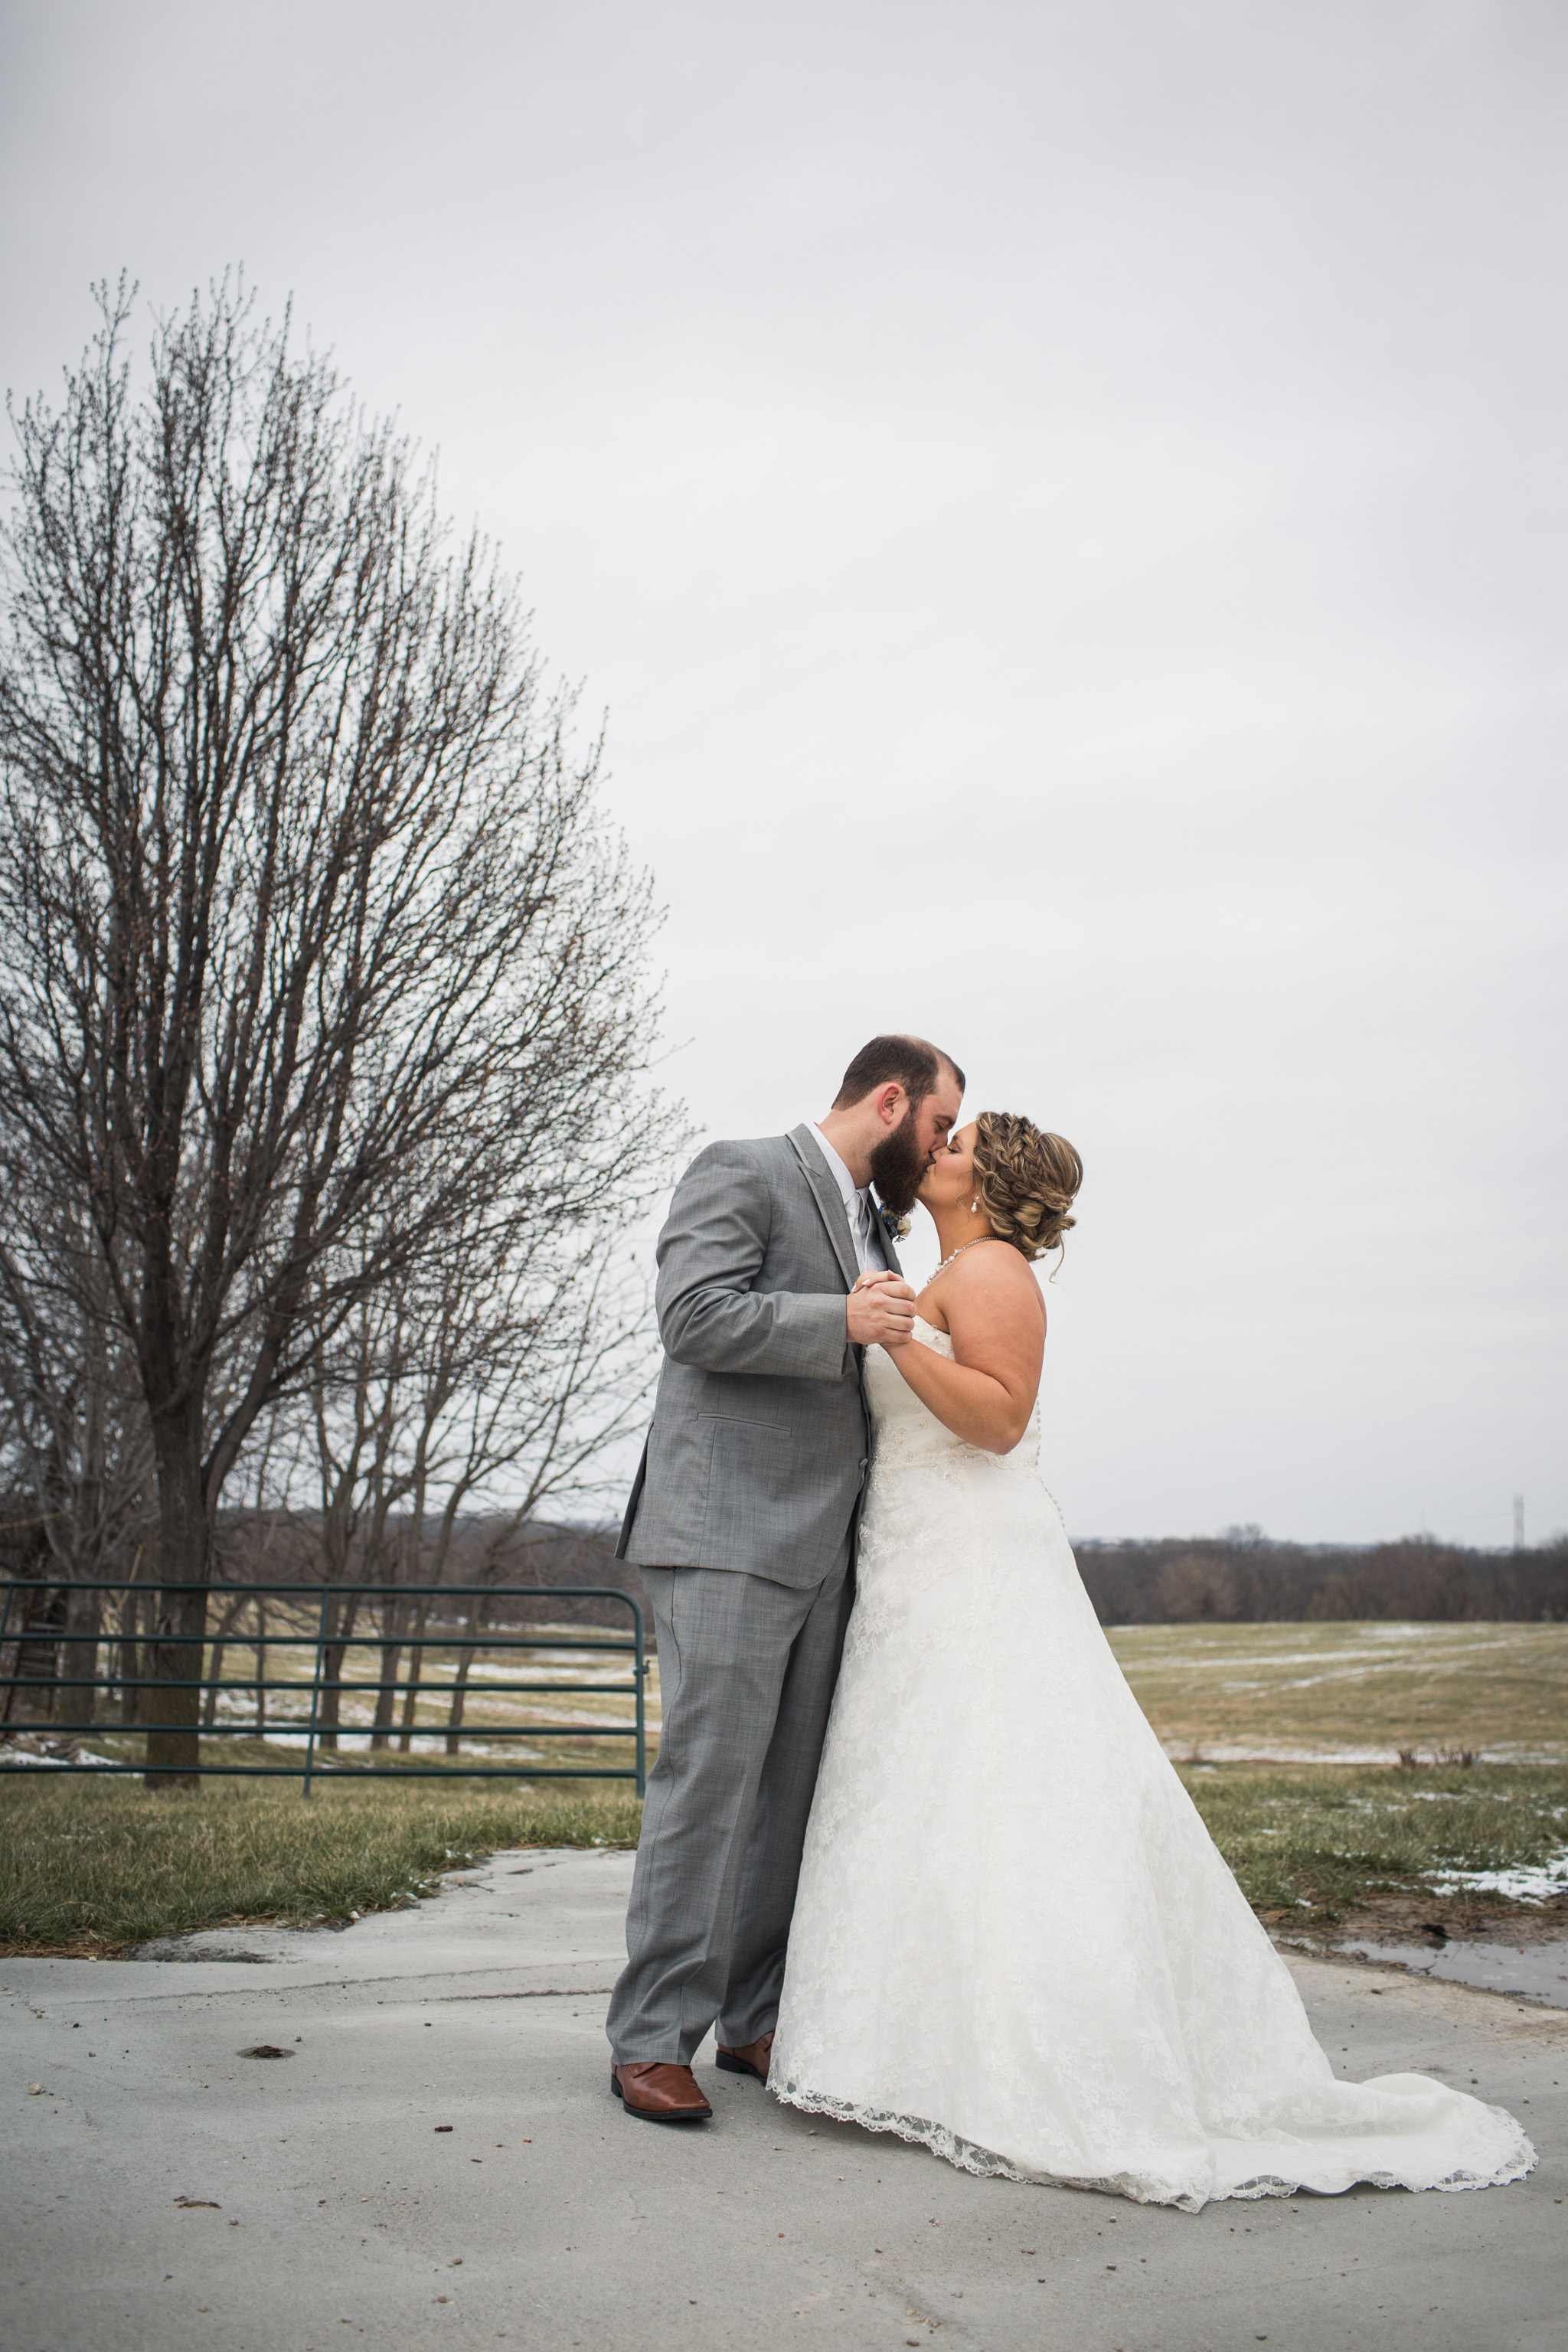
point(1063, 506)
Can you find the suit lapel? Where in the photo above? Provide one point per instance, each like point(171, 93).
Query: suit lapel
point(829, 1201)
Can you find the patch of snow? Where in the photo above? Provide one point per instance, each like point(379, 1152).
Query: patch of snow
point(433, 1742)
point(10, 1757)
point(1181, 1751)
point(1541, 1883)
point(558, 1670)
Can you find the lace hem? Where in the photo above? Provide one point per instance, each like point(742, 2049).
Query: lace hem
point(1140, 2188)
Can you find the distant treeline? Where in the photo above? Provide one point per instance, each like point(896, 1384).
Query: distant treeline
point(1246, 1579)
point(1240, 1577)
point(1186, 1579)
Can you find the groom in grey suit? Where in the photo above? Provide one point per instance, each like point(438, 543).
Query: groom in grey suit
point(741, 1519)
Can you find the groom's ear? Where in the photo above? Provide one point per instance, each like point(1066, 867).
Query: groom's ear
point(891, 1103)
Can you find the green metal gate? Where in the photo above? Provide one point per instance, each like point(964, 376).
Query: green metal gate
point(41, 1627)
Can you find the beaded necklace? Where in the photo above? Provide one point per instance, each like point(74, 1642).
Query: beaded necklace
point(959, 1250)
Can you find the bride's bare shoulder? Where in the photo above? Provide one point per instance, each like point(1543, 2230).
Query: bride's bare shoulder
point(990, 1283)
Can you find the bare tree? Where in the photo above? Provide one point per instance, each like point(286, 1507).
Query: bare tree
point(311, 936)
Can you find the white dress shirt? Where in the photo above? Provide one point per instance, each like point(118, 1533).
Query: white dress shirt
point(865, 1231)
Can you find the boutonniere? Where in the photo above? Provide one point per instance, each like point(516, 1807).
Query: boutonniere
point(893, 1225)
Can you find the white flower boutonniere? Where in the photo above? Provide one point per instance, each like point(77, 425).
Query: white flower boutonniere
point(893, 1225)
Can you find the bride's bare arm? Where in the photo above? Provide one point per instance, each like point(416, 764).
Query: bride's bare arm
point(996, 1320)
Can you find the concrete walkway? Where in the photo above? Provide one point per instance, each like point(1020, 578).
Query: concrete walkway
point(439, 2164)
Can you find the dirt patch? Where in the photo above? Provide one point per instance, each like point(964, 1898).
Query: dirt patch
point(1427, 1918)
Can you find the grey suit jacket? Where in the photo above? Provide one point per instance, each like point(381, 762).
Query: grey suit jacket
point(760, 1438)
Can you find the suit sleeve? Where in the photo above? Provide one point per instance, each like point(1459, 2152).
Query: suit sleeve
point(709, 1253)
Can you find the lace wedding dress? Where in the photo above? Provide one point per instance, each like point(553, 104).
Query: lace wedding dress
point(1015, 1940)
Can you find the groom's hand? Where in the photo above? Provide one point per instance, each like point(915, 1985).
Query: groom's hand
point(881, 1311)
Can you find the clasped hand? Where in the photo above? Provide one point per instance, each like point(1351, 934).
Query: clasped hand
point(881, 1311)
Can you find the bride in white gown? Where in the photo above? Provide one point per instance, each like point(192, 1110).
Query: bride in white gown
point(1015, 1940)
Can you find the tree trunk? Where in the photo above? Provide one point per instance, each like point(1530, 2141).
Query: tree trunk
point(339, 1636)
point(460, 1680)
point(214, 1675)
point(386, 1696)
point(84, 1614)
point(174, 1654)
point(25, 1661)
point(221, 1638)
point(38, 1653)
point(130, 1657)
point(416, 1676)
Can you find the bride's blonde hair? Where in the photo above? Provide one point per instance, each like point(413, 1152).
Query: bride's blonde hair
point(1026, 1181)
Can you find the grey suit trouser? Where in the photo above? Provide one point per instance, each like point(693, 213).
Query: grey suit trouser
point(746, 1675)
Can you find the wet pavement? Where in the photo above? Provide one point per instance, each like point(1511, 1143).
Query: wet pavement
point(1538, 1972)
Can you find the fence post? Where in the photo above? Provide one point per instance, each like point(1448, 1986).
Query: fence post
point(642, 1710)
point(316, 1687)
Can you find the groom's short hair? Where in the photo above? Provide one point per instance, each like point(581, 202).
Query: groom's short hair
point(912, 1061)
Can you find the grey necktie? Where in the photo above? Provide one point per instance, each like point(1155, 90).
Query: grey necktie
point(868, 1252)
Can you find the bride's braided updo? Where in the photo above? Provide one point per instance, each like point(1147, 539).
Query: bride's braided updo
point(1026, 1181)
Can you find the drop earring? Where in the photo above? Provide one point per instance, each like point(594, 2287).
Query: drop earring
point(975, 1208)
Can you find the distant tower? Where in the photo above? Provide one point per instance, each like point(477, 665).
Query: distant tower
point(1519, 1523)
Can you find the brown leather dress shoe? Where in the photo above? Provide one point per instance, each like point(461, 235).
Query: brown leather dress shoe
point(660, 2094)
point(752, 2059)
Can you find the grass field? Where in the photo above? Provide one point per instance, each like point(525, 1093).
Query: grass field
point(91, 1864)
point(1316, 1841)
point(95, 1866)
point(1309, 1693)
point(1351, 1693)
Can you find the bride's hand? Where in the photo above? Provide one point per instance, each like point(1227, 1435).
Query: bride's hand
point(880, 1311)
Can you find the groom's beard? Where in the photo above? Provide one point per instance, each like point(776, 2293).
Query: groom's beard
point(898, 1169)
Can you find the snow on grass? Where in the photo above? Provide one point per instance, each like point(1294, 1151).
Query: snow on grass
point(1541, 1884)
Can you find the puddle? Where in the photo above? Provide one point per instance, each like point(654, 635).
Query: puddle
point(1536, 1971)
